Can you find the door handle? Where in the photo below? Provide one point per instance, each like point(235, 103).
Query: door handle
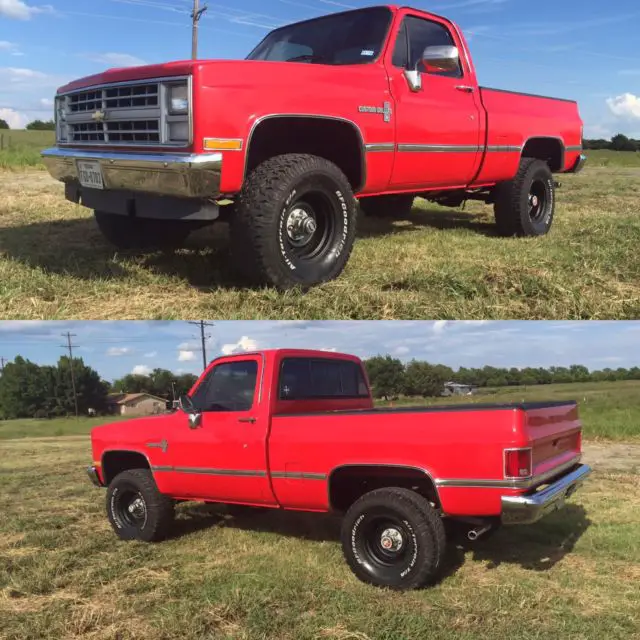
point(465, 87)
point(247, 420)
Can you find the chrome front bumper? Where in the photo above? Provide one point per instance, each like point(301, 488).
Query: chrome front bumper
point(579, 164)
point(529, 508)
point(185, 176)
point(93, 476)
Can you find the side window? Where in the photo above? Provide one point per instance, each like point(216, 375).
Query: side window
point(422, 34)
point(318, 378)
point(229, 387)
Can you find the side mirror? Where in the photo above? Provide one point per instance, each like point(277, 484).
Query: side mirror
point(195, 417)
point(441, 58)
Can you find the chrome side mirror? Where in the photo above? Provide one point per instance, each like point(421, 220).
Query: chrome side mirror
point(441, 58)
point(195, 417)
point(414, 79)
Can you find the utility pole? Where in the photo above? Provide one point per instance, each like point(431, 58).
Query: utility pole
point(2, 361)
point(71, 347)
point(202, 324)
point(195, 16)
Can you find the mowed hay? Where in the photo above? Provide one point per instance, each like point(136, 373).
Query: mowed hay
point(63, 573)
point(438, 263)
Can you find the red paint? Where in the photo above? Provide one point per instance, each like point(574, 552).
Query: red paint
point(319, 436)
point(231, 97)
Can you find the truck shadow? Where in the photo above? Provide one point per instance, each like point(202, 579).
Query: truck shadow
point(537, 547)
point(76, 248)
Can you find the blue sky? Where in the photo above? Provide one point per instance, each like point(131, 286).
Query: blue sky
point(117, 348)
point(572, 48)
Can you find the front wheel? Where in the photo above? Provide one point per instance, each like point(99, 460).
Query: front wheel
point(394, 538)
point(525, 206)
point(136, 509)
point(294, 223)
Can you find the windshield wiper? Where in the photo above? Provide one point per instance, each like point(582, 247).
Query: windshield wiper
point(307, 57)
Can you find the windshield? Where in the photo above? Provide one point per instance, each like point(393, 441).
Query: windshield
point(354, 37)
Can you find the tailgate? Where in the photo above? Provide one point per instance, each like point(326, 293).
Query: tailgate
point(555, 433)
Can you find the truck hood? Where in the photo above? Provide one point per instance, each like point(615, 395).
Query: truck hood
point(131, 432)
point(224, 73)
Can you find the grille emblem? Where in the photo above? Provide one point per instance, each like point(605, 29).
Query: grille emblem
point(99, 116)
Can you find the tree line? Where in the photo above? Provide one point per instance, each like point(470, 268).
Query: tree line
point(619, 142)
point(391, 378)
point(36, 125)
point(28, 390)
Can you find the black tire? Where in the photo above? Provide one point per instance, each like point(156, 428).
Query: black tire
point(128, 233)
point(397, 207)
point(525, 206)
point(272, 236)
point(136, 509)
point(422, 541)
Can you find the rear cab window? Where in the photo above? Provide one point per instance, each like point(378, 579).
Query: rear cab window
point(321, 379)
point(415, 35)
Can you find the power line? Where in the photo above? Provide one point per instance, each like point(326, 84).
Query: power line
point(202, 324)
point(196, 15)
point(71, 347)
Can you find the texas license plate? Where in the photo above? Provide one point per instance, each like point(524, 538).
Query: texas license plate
point(90, 174)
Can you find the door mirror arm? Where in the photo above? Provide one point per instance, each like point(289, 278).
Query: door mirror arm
point(195, 416)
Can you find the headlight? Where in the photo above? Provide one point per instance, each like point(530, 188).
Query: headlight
point(178, 98)
point(60, 109)
point(179, 132)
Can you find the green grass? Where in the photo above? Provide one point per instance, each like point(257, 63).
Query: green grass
point(12, 429)
point(606, 158)
point(21, 149)
point(608, 410)
point(281, 576)
point(438, 263)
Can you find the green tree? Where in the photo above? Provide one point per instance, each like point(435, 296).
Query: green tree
point(4, 124)
point(25, 388)
point(424, 379)
point(39, 125)
point(386, 376)
point(620, 142)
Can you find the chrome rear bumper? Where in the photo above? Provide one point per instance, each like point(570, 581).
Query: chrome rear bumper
point(93, 476)
point(185, 176)
point(579, 164)
point(529, 508)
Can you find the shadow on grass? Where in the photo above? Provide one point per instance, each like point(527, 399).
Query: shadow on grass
point(536, 547)
point(76, 247)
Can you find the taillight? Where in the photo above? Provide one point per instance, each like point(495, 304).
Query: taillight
point(517, 463)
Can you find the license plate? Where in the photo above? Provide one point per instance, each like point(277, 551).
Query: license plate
point(90, 174)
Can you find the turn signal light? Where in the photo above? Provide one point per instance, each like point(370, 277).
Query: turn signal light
point(518, 463)
point(222, 144)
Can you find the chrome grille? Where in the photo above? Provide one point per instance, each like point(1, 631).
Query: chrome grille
point(131, 113)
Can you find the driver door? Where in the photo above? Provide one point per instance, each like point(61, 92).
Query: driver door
point(222, 455)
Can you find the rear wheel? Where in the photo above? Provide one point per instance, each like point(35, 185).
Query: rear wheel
point(525, 206)
point(294, 223)
point(394, 538)
point(397, 207)
point(136, 509)
point(142, 233)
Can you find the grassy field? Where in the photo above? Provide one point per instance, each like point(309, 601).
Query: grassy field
point(439, 263)
point(609, 410)
point(21, 149)
point(63, 573)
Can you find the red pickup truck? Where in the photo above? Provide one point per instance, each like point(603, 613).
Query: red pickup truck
point(297, 430)
point(386, 109)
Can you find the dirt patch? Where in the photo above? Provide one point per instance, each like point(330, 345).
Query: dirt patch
point(608, 456)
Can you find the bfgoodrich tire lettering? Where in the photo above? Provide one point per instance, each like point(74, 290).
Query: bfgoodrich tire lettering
point(136, 509)
point(394, 538)
point(294, 223)
point(525, 206)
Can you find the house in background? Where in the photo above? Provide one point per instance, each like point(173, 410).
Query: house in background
point(456, 389)
point(135, 404)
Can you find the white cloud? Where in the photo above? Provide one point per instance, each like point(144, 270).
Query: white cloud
point(115, 352)
point(141, 370)
point(244, 344)
point(151, 354)
point(20, 10)
point(15, 119)
point(46, 102)
point(440, 326)
point(401, 351)
point(626, 105)
point(186, 356)
point(116, 59)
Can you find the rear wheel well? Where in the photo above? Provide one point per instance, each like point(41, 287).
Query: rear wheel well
point(551, 150)
point(338, 141)
point(347, 484)
point(115, 462)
